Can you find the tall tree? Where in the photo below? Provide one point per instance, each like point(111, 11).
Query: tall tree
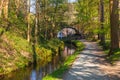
point(5, 14)
point(114, 25)
point(1, 6)
point(36, 20)
point(28, 21)
point(102, 35)
point(4, 8)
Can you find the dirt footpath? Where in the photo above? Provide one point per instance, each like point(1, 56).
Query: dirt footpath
point(91, 65)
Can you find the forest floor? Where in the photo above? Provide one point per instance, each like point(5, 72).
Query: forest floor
point(91, 64)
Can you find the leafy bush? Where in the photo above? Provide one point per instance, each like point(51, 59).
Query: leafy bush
point(54, 44)
point(78, 44)
point(43, 54)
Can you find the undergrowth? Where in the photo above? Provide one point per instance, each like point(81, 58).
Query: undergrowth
point(115, 54)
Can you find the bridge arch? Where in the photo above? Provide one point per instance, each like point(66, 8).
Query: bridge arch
point(77, 31)
point(68, 31)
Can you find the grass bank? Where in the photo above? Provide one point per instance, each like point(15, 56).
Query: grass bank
point(115, 57)
point(16, 52)
point(116, 53)
point(56, 75)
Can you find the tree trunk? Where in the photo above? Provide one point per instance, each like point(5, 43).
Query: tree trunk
point(1, 6)
point(119, 21)
point(5, 9)
point(28, 21)
point(119, 37)
point(36, 23)
point(114, 25)
point(36, 29)
point(102, 35)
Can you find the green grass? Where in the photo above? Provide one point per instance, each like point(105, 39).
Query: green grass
point(115, 56)
point(116, 53)
point(56, 75)
point(19, 43)
point(18, 53)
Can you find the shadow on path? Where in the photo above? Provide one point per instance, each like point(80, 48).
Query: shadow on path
point(88, 64)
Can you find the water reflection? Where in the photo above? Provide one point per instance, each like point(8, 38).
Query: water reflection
point(42, 69)
point(33, 75)
point(68, 51)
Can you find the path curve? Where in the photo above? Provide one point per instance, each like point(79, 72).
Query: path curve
point(88, 64)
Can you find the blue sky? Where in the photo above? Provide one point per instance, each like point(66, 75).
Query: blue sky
point(72, 0)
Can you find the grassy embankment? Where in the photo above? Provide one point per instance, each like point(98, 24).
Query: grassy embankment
point(16, 52)
point(56, 75)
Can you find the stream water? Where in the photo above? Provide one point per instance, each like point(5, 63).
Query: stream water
point(38, 72)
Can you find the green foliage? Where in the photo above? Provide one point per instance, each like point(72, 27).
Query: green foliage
point(15, 49)
point(19, 43)
point(79, 45)
point(54, 44)
point(56, 75)
point(43, 54)
point(52, 15)
point(115, 56)
point(1, 30)
point(116, 53)
point(88, 17)
point(105, 46)
point(16, 19)
point(17, 25)
point(22, 61)
point(47, 49)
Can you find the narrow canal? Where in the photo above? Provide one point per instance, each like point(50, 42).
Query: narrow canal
point(43, 68)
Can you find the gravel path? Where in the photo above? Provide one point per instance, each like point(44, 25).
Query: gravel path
point(88, 64)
